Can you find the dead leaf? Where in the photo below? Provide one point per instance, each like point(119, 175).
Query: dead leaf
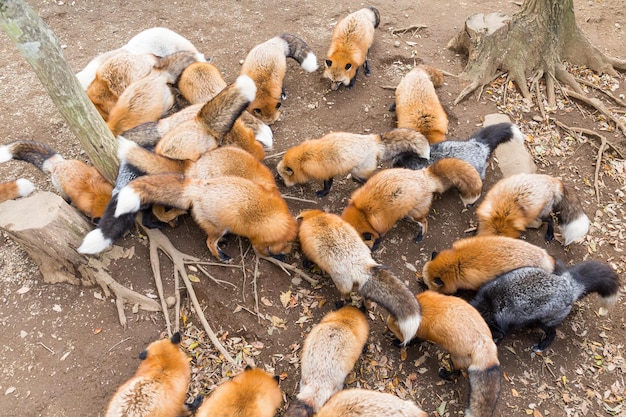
point(285, 298)
point(193, 278)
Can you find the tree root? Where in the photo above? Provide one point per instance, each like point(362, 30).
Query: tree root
point(412, 28)
point(608, 93)
point(598, 105)
point(285, 266)
point(179, 259)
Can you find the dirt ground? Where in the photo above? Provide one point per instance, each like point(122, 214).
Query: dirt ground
point(62, 350)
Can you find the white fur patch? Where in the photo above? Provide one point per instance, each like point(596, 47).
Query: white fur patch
point(575, 230)
point(265, 136)
point(518, 136)
point(24, 187)
point(94, 242)
point(124, 146)
point(5, 153)
point(128, 201)
point(310, 63)
point(247, 87)
point(408, 326)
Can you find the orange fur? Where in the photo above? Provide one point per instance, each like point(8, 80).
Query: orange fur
point(253, 392)
point(358, 402)
point(200, 82)
point(225, 204)
point(329, 353)
point(397, 193)
point(158, 388)
point(456, 326)
point(114, 76)
point(352, 38)
point(15, 189)
point(340, 153)
point(473, 261)
point(418, 106)
point(266, 65)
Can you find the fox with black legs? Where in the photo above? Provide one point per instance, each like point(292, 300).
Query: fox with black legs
point(453, 324)
point(476, 150)
point(528, 296)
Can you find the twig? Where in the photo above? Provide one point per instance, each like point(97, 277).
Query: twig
point(603, 145)
point(254, 287)
point(408, 29)
point(275, 155)
point(252, 312)
point(117, 344)
point(304, 200)
point(245, 275)
point(448, 74)
point(590, 133)
point(539, 100)
point(177, 298)
point(608, 93)
point(212, 278)
point(292, 268)
point(597, 104)
point(47, 348)
point(389, 87)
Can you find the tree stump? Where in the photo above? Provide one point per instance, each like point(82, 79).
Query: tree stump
point(50, 230)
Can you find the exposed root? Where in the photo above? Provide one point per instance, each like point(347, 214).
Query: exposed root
point(179, 259)
point(598, 105)
point(608, 93)
point(412, 28)
point(286, 266)
point(254, 287)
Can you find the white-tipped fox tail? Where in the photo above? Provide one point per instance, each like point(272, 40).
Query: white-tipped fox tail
point(94, 242)
point(128, 201)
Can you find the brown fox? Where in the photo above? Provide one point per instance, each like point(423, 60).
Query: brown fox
point(159, 387)
point(253, 392)
point(331, 243)
point(519, 201)
point(396, 193)
point(339, 153)
point(149, 99)
point(200, 82)
point(456, 326)
point(114, 76)
point(473, 261)
point(77, 182)
point(417, 105)
point(329, 353)
point(266, 64)
point(351, 41)
point(15, 189)
point(212, 123)
point(225, 160)
point(357, 402)
point(219, 205)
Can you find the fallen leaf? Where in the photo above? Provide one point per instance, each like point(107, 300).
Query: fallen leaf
point(193, 278)
point(285, 298)
point(98, 330)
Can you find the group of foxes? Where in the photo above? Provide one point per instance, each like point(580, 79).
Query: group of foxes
point(189, 141)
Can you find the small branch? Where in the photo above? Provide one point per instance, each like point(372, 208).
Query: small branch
point(254, 287)
point(408, 29)
point(597, 104)
point(304, 200)
point(275, 155)
point(117, 344)
point(608, 93)
point(212, 278)
point(291, 268)
point(389, 87)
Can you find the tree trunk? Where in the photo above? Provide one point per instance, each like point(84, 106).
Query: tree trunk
point(39, 46)
point(533, 43)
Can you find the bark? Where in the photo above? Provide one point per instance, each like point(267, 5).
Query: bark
point(531, 44)
point(39, 46)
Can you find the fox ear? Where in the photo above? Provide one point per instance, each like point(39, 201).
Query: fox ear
point(175, 339)
point(143, 355)
point(329, 63)
point(247, 368)
point(288, 171)
point(433, 255)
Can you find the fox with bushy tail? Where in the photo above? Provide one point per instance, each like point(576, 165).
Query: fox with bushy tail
point(15, 189)
point(528, 295)
point(78, 183)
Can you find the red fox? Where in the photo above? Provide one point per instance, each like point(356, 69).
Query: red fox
point(456, 326)
point(14, 189)
point(516, 202)
point(546, 298)
point(114, 76)
point(159, 387)
point(76, 181)
point(218, 205)
point(157, 41)
point(200, 82)
point(352, 39)
point(357, 402)
point(417, 105)
point(148, 99)
point(473, 261)
point(266, 64)
point(329, 353)
point(253, 392)
point(211, 125)
point(331, 243)
point(339, 153)
point(396, 193)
